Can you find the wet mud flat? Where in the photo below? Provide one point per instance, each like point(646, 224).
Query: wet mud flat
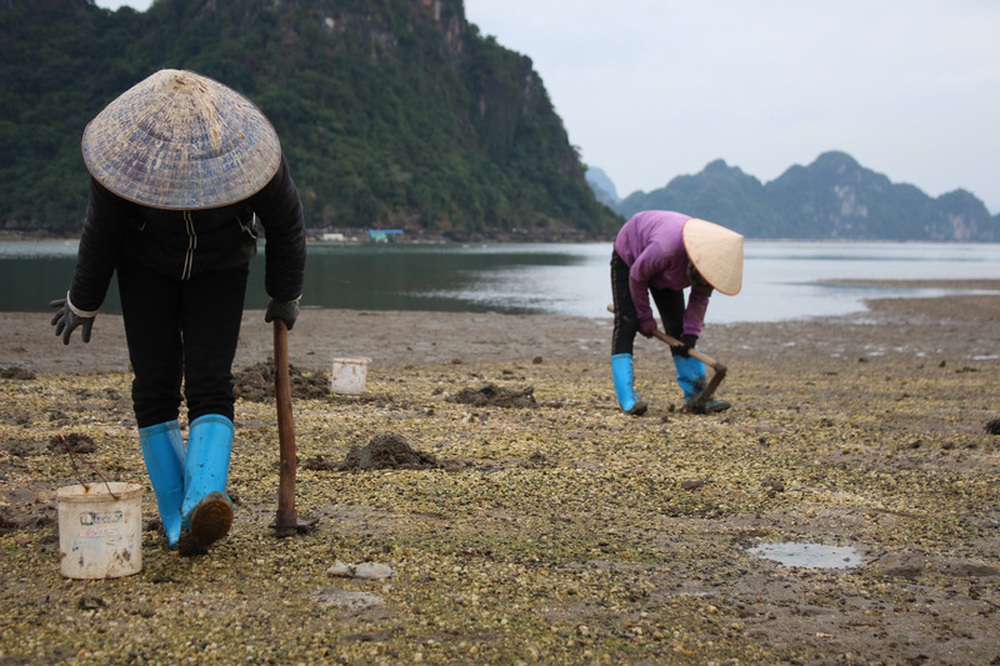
point(552, 529)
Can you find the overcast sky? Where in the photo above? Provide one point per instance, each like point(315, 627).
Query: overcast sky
point(652, 89)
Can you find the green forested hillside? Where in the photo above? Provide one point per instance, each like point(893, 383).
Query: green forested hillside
point(392, 112)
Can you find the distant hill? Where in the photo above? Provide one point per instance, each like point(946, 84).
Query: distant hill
point(832, 198)
point(393, 113)
point(604, 188)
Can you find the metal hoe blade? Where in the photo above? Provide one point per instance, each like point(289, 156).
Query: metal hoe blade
point(696, 405)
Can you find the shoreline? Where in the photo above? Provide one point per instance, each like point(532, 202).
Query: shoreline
point(425, 337)
point(493, 236)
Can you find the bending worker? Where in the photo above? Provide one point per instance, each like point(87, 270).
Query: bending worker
point(180, 165)
point(661, 253)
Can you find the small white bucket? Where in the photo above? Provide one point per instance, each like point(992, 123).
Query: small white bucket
point(349, 375)
point(100, 533)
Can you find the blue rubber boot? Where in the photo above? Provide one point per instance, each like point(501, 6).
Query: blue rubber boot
point(163, 451)
point(624, 378)
point(691, 378)
point(207, 511)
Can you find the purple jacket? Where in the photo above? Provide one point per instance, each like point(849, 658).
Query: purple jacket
point(652, 245)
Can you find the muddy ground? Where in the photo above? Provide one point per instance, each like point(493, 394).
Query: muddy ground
point(524, 518)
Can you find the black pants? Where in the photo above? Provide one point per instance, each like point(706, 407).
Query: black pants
point(181, 329)
point(669, 302)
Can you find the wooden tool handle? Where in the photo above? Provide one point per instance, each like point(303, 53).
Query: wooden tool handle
point(286, 427)
point(674, 342)
point(704, 358)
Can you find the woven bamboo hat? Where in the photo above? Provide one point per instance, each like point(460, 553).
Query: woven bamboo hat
point(179, 140)
point(717, 253)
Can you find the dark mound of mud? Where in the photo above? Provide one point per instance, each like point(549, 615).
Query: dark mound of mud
point(387, 451)
point(74, 441)
point(491, 395)
point(993, 427)
point(256, 383)
point(16, 373)
point(24, 505)
point(13, 519)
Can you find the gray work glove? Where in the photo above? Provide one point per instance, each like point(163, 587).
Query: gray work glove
point(287, 311)
point(66, 319)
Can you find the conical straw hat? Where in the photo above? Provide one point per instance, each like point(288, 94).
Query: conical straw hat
point(717, 253)
point(181, 140)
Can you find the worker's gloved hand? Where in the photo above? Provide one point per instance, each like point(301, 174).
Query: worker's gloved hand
point(66, 319)
point(287, 311)
point(647, 327)
point(684, 350)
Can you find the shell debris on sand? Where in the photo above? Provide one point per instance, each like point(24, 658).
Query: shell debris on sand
point(566, 534)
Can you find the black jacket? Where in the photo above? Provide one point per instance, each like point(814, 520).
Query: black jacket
point(182, 243)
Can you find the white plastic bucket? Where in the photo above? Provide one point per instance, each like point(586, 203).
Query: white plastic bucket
point(100, 533)
point(349, 375)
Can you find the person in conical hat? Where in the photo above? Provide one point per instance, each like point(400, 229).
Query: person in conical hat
point(180, 166)
point(660, 254)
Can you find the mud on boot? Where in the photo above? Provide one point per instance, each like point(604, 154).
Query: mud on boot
point(707, 407)
point(210, 521)
point(207, 511)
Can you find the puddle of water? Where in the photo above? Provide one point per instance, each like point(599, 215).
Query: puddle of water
point(812, 555)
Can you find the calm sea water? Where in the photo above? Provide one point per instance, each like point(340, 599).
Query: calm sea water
point(782, 280)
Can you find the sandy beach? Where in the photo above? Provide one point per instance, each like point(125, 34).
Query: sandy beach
point(556, 532)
